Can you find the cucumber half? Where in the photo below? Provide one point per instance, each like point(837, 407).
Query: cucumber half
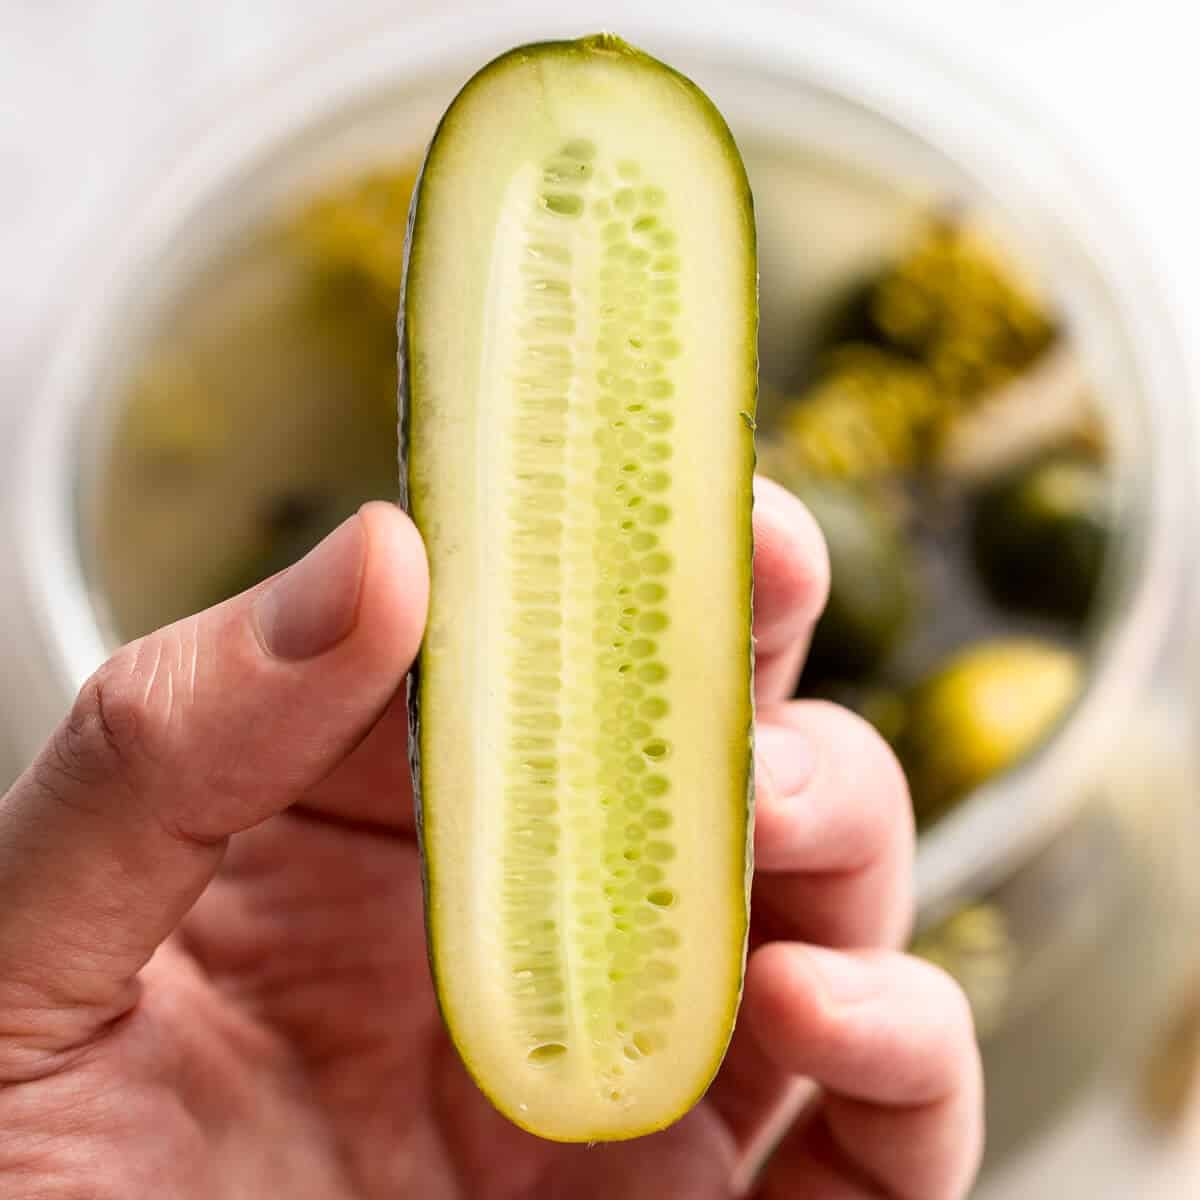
point(578, 384)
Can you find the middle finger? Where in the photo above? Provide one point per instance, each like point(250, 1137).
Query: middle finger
point(833, 849)
point(834, 832)
point(791, 584)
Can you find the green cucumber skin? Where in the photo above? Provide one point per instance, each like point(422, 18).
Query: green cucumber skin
point(406, 352)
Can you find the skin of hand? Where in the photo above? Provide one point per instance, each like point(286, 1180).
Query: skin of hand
point(213, 983)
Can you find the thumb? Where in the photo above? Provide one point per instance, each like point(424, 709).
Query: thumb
point(184, 737)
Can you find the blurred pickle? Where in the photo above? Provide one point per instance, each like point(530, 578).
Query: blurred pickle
point(958, 305)
point(168, 420)
point(1170, 1076)
point(264, 411)
point(871, 414)
point(353, 233)
point(350, 241)
point(977, 948)
point(981, 713)
point(349, 245)
point(1039, 535)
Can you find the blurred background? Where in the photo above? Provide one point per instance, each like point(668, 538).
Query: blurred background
point(980, 260)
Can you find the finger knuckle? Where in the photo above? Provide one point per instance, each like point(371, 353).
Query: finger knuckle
point(113, 727)
point(109, 719)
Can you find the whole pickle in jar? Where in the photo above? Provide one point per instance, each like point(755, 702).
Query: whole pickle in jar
point(348, 243)
point(980, 713)
point(352, 234)
point(1040, 533)
point(869, 416)
point(955, 302)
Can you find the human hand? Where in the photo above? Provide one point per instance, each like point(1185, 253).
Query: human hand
point(213, 980)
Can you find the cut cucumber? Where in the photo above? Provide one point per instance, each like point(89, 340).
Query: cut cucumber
point(578, 388)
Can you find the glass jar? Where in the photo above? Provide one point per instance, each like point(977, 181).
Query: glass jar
point(1060, 893)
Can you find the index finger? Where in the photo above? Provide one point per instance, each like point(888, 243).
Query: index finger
point(791, 585)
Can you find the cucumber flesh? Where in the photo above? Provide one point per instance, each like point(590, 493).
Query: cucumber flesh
point(578, 383)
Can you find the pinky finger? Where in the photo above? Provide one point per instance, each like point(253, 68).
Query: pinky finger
point(889, 1039)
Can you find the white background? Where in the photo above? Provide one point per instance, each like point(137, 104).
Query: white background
point(88, 91)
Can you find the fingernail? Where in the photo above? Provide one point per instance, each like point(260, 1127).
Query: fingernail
point(788, 757)
point(847, 979)
point(313, 604)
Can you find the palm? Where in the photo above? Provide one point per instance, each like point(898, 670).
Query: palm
point(308, 1059)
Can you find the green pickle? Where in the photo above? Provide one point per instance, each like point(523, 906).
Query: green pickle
point(981, 713)
point(352, 236)
point(1040, 533)
point(936, 336)
point(579, 377)
point(870, 414)
point(956, 304)
point(349, 243)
